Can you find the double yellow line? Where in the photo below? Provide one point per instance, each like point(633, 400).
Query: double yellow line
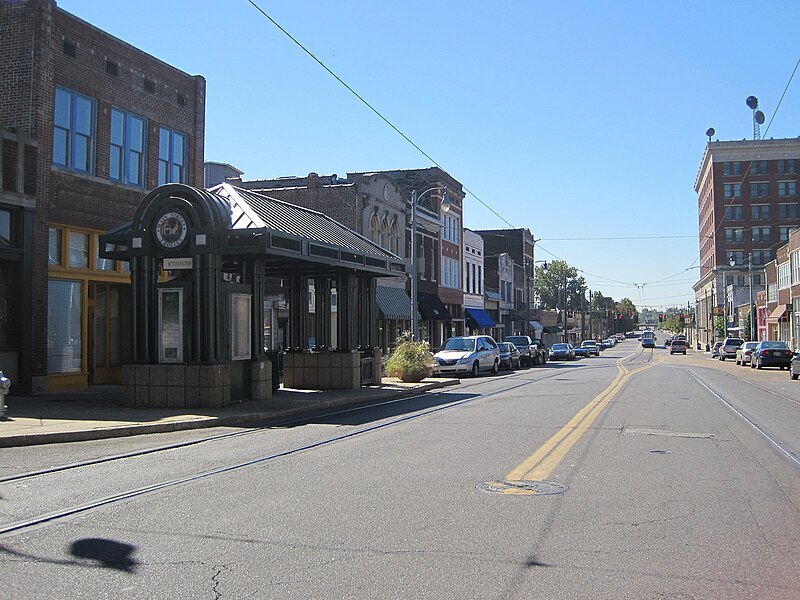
point(541, 463)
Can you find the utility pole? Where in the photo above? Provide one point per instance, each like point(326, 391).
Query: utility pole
point(583, 314)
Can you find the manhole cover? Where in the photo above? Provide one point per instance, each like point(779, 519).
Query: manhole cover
point(523, 488)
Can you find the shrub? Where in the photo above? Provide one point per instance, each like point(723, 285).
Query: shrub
point(410, 360)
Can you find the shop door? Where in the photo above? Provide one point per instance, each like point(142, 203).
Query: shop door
point(109, 341)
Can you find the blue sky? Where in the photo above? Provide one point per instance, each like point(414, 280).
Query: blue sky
point(573, 119)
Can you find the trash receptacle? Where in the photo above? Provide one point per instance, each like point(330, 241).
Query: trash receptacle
point(276, 358)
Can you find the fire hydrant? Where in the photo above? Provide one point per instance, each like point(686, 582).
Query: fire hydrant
point(5, 385)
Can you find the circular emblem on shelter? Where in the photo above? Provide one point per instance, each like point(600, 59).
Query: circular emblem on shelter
point(171, 230)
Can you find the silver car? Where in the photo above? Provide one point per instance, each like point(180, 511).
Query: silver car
point(467, 355)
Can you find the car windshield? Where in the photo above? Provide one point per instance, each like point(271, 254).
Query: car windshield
point(504, 347)
point(750, 345)
point(588, 343)
point(560, 347)
point(519, 341)
point(734, 342)
point(774, 345)
point(462, 344)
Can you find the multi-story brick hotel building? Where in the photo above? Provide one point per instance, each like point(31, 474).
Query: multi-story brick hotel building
point(89, 125)
point(748, 206)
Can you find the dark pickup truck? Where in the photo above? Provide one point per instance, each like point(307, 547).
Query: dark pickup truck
point(531, 352)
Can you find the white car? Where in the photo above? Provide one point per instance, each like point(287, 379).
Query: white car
point(467, 355)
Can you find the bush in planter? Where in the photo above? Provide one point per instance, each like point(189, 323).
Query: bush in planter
point(410, 361)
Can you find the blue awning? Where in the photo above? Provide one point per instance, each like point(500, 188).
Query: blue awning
point(479, 316)
point(536, 326)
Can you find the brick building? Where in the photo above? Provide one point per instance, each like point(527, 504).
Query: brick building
point(101, 123)
point(512, 276)
point(747, 207)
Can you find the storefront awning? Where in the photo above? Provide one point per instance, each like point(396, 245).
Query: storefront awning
point(393, 303)
point(536, 326)
point(776, 314)
point(552, 329)
point(478, 317)
point(431, 308)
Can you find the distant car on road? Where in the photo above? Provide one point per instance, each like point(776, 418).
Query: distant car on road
point(580, 351)
point(529, 353)
point(678, 347)
point(770, 353)
point(744, 352)
point(509, 356)
point(591, 346)
point(794, 366)
point(729, 347)
point(562, 352)
point(715, 349)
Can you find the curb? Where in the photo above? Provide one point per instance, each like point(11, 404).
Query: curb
point(83, 435)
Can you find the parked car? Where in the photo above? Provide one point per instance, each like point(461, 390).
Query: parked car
point(509, 356)
point(605, 344)
point(620, 337)
point(794, 366)
point(744, 352)
point(580, 351)
point(715, 349)
point(729, 347)
point(562, 352)
point(678, 347)
point(530, 352)
point(591, 346)
point(467, 355)
point(770, 353)
point(667, 342)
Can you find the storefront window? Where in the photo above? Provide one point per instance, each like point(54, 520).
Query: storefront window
point(64, 326)
point(78, 249)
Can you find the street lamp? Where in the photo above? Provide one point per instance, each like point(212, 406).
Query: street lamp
point(445, 205)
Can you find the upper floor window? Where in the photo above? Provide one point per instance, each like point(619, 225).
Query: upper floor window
point(759, 189)
point(787, 166)
point(732, 168)
point(171, 156)
point(761, 234)
point(450, 228)
point(738, 256)
point(6, 228)
point(787, 211)
point(732, 190)
point(73, 131)
point(450, 273)
point(395, 238)
point(127, 148)
point(759, 167)
point(787, 188)
point(759, 212)
point(374, 228)
point(785, 231)
point(783, 275)
point(734, 234)
point(733, 213)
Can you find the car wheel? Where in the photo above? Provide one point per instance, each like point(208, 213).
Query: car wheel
point(752, 364)
point(758, 364)
point(494, 368)
point(476, 369)
point(792, 374)
point(722, 358)
point(738, 362)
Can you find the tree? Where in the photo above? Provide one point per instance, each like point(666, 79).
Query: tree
point(550, 283)
point(719, 326)
point(744, 324)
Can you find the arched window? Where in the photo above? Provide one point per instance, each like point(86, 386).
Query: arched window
point(374, 229)
point(384, 233)
point(395, 238)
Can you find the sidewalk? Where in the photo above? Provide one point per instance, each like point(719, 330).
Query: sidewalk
point(98, 412)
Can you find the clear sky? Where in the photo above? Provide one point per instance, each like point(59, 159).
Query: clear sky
point(574, 119)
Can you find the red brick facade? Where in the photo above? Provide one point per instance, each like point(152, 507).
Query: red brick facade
point(42, 47)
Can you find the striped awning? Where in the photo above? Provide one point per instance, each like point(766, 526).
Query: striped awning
point(776, 314)
point(393, 303)
point(431, 308)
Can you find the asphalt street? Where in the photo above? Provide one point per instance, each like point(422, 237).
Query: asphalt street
point(635, 474)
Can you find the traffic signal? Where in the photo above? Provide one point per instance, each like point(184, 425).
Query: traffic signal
point(619, 316)
point(660, 318)
point(682, 318)
point(606, 312)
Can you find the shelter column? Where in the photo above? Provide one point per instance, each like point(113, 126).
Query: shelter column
point(322, 314)
point(298, 312)
point(348, 319)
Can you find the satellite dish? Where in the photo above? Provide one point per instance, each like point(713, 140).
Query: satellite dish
point(759, 117)
point(710, 131)
point(752, 102)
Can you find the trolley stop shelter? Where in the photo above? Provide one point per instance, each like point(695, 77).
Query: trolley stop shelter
point(202, 264)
